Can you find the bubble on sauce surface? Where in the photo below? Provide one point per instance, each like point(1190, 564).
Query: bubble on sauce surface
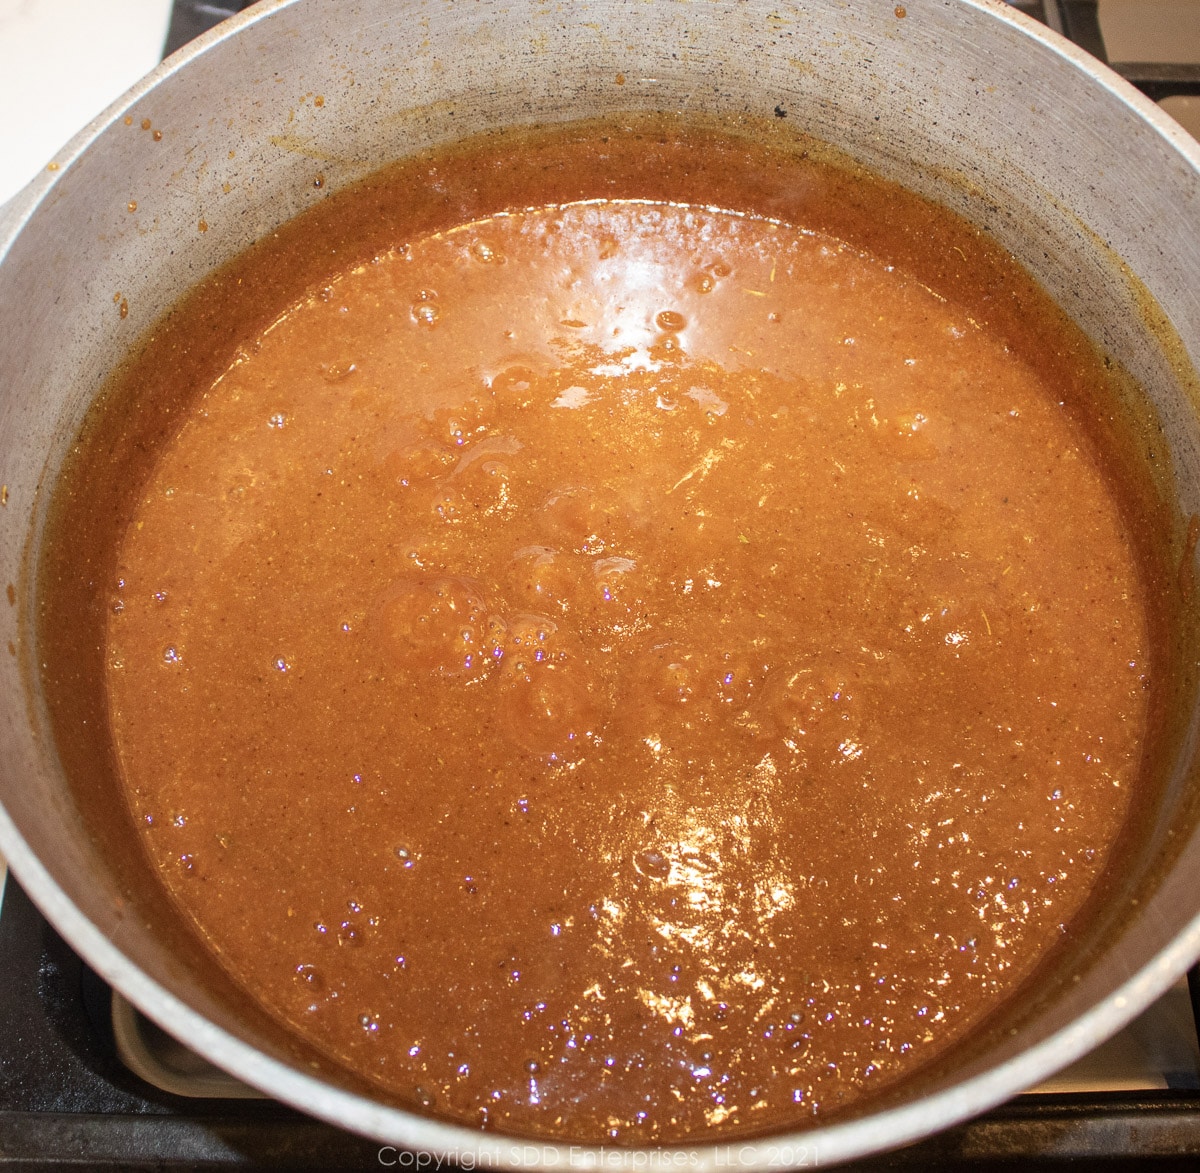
point(516, 381)
point(338, 372)
point(653, 863)
point(667, 674)
point(798, 701)
point(615, 581)
point(486, 253)
point(485, 485)
point(590, 520)
point(530, 640)
point(495, 638)
point(546, 710)
point(309, 977)
point(459, 422)
point(492, 476)
point(436, 626)
point(418, 461)
point(543, 574)
point(450, 504)
point(907, 436)
point(738, 678)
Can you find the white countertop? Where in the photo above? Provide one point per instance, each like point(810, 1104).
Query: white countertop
point(61, 63)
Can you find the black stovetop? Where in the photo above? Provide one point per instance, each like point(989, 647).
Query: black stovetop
point(67, 1100)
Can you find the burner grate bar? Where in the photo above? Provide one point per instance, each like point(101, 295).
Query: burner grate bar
point(1157, 80)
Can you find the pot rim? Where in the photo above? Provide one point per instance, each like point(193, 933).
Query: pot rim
point(879, 1131)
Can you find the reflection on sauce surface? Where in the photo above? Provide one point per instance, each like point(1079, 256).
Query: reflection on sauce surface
point(623, 669)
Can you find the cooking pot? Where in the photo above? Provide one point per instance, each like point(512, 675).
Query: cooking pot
point(967, 102)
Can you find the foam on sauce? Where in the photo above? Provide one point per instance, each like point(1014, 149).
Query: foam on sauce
point(623, 669)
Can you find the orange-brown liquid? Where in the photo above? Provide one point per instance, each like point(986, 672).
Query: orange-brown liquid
point(626, 668)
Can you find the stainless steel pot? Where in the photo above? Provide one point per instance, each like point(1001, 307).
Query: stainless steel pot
point(965, 101)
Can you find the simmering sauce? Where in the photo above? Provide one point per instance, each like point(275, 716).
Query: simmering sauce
point(623, 668)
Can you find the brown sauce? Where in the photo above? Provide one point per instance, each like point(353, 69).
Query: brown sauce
point(603, 666)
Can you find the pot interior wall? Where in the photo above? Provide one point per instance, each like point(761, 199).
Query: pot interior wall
point(951, 100)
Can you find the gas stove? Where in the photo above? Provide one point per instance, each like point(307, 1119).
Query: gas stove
point(88, 1082)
